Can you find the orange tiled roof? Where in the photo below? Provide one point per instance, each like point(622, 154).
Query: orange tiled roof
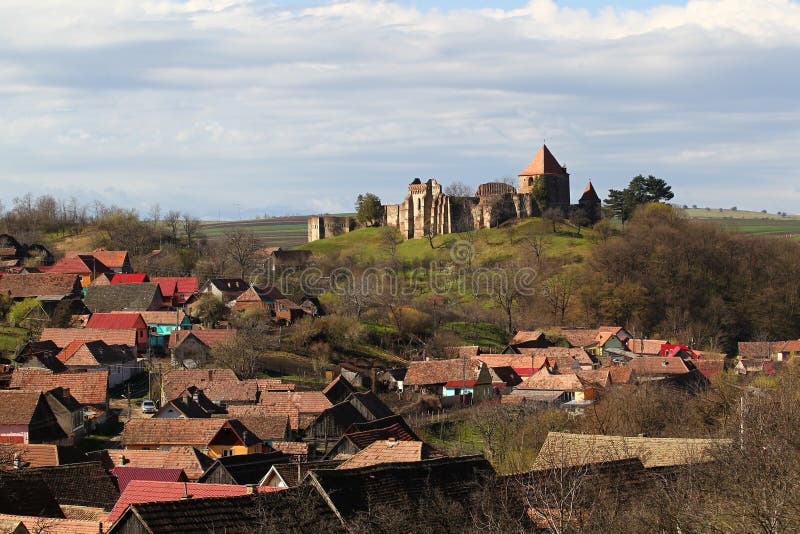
point(64, 336)
point(656, 365)
point(645, 346)
point(191, 432)
point(442, 371)
point(545, 381)
point(543, 163)
point(115, 259)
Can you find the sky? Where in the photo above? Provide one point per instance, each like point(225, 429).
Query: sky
point(240, 108)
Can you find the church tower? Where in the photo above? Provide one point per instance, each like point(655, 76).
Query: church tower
point(544, 166)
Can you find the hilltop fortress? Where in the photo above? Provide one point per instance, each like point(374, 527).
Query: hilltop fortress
point(428, 210)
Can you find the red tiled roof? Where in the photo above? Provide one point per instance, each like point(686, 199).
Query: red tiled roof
point(126, 474)
point(141, 491)
point(543, 380)
point(543, 163)
point(64, 336)
point(87, 388)
point(77, 265)
point(463, 383)
point(132, 278)
point(470, 351)
point(524, 336)
point(37, 455)
point(115, 320)
point(620, 375)
point(180, 284)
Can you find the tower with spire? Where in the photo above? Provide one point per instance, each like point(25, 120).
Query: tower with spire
point(545, 166)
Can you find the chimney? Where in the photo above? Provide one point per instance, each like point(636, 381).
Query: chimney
point(251, 489)
point(196, 395)
point(186, 495)
point(244, 437)
point(17, 462)
point(210, 374)
point(186, 397)
point(122, 460)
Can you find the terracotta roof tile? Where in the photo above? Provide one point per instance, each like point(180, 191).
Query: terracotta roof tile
point(525, 336)
point(543, 163)
point(191, 432)
point(64, 336)
point(120, 297)
point(543, 380)
point(645, 346)
point(162, 317)
point(126, 474)
point(86, 388)
point(52, 524)
point(114, 321)
point(524, 365)
point(292, 448)
point(566, 450)
point(383, 452)
point(39, 285)
point(141, 491)
point(129, 278)
point(306, 402)
point(188, 459)
point(209, 338)
point(655, 365)
point(114, 259)
point(442, 371)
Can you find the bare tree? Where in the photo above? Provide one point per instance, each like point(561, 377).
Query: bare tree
point(557, 291)
point(554, 216)
point(459, 189)
point(155, 216)
point(241, 245)
point(173, 222)
point(191, 228)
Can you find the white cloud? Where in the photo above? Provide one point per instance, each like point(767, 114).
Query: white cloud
point(299, 109)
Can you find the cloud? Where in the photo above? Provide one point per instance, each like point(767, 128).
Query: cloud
point(299, 109)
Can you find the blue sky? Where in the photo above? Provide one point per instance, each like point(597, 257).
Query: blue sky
point(229, 106)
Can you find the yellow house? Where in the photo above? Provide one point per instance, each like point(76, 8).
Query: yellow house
point(214, 437)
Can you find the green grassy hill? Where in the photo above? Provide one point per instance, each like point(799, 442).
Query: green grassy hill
point(367, 245)
point(749, 222)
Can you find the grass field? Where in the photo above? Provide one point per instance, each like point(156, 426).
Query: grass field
point(366, 246)
point(750, 222)
point(275, 232)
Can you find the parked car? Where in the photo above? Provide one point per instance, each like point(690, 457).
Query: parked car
point(148, 406)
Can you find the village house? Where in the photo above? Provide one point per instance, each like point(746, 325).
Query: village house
point(140, 491)
point(122, 321)
point(124, 298)
point(87, 268)
point(160, 324)
point(44, 454)
point(48, 288)
point(90, 390)
point(558, 389)
point(192, 348)
point(176, 290)
point(26, 417)
point(191, 404)
point(214, 437)
point(39, 355)
point(62, 337)
point(387, 451)
point(449, 378)
point(225, 289)
point(568, 450)
point(119, 361)
point(244, 469)
point(124, 475)
point(257, 298)
point(15, 255)
point(290, 475)
point(118, 261)
point(648, 368)
point(188, 459)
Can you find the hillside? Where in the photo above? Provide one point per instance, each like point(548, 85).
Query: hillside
point(367, 245)
point(749, 222)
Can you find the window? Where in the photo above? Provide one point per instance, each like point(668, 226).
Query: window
point(227, 452)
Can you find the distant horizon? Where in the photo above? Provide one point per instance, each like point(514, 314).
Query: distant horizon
point(245, 107)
